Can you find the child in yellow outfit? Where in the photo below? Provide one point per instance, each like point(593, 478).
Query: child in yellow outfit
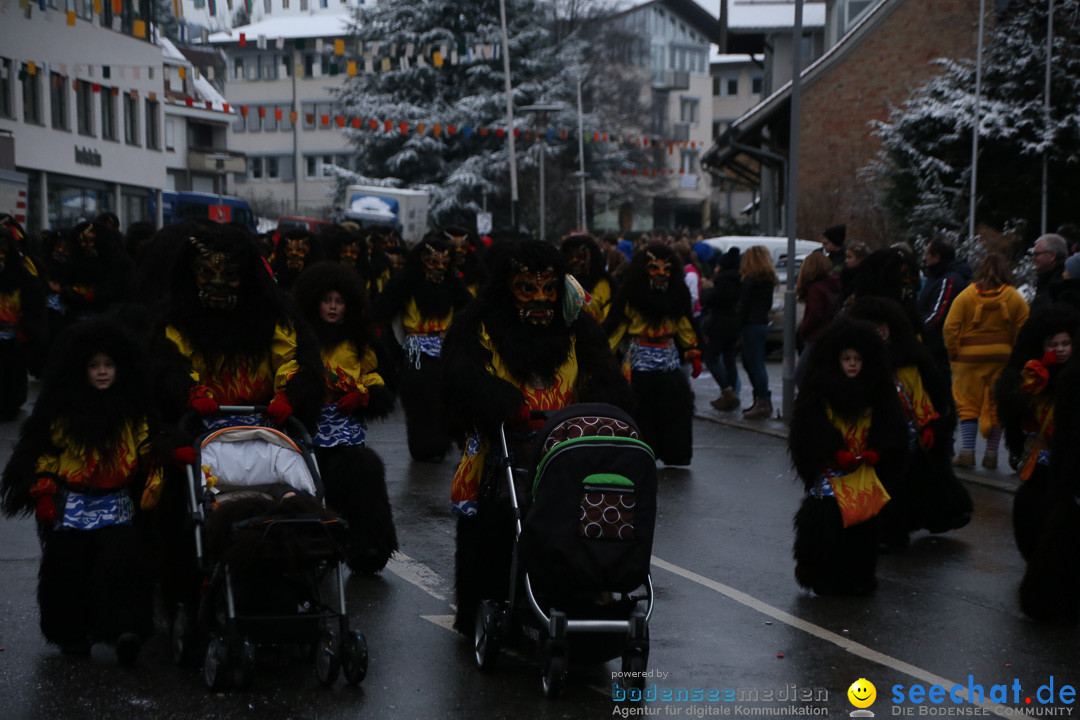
point(979, 334)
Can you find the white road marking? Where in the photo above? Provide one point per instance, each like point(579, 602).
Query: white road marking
point(418, 574)
point(840, 641)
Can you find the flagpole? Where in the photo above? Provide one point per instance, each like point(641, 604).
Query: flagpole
point(509, 117)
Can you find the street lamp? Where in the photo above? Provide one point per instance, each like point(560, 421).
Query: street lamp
point(582, 175)
point(542, 111)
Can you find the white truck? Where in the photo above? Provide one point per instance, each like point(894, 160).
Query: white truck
point(407, 210)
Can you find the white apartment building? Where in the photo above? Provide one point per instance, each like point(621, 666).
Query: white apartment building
point(81, 95)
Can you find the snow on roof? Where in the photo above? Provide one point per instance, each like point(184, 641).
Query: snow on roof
point(324, 24)
point(773, 14)
point(204, 90)
point(718, 58)
point(169, 50)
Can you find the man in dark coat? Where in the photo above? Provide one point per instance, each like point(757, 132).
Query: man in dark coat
point(1049, 253)
point(946, 276)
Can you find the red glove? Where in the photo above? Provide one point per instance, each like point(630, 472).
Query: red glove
point(45, 511)
point(1050, 358)
point(519, 418)
point(279, 409)
point(200, 401)
point(696, 364)
point(184, 455)
point(846, 459)
point(870, 457)
point(351, 400)
point(927, 437)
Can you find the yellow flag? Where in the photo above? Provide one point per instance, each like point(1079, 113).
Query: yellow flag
point(437, 59)
point(71, 18)
point(351, 68)
point(386, 64)
point(183, 72)
point(339, 47)
point(139, 29)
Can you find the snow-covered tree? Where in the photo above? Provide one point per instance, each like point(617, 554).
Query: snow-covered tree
point(550, 49)
point(926, 156)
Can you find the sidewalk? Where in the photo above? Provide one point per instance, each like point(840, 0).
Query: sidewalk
point(705, 389)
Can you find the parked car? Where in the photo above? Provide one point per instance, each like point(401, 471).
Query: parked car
point(777, 247)
point(297, 222)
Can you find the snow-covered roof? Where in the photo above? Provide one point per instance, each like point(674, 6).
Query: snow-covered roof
point(205, 91)
point(170, 51)
point(323, 24)
point(718, 58)
point(772, 15)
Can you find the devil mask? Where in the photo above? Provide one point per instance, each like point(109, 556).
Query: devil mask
point(535, 294)
point(217, 275)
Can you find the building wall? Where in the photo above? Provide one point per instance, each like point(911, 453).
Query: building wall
point(122, 172)
point(836, 140)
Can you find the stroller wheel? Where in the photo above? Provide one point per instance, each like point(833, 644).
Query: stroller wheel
point(183, 635)
point(356, 657)
point(486, 635)
point(328, 658)
point(244, 672)
point(553, 667)
point(216, 662)
point(636, 655)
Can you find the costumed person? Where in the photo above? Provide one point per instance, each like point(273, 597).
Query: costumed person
point(523, 346)
point(99, 271)
point(331, 297)
point(585, 262)
point(929, 495)
point(979, 333)
point(81, 467)
point(341, 243)
point(1050, 590)
point(465, 259)
point(227, 336)
point(893, 273)
point(1026, 393)
point(22, 318)
point(652, 312)
point(848, 442)
point(294, 251)
point(420, 303)
point(386, 253)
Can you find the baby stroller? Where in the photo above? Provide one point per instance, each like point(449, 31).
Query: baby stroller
point(583, 525)
point(271, 556)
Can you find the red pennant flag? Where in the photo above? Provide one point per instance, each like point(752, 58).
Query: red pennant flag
point(243, 110)
point(189, 101)
point(389, 124)
point(262, 112)
point(517, 133)
point(436, 130)
point(451, 129)
point(682, 170)
point(645, 142)
point(277, 114)
point(373, 123)
point(404, 127)
point(501, 132)
point(634, 172)
point(356, 122)
point(596, 137)
point(243, 40)
point(340, 119)
point(209, 105)
point(94, 87)
point(605, 137)
point(225, 108)
point(484, 131)
point(325, 120)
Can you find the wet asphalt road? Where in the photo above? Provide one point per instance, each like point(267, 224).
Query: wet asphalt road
point(730, 623)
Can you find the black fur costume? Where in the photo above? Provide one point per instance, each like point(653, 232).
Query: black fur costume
point(1050, 591)
point(481, 401)
point(348, 247)
point(98, 273)
point(1015, 408)
point(353, 475)
point(892, 273)
point(22, 318)
point(930, 496)
point(421, 301)
point(224, 338)
point(295, 250)
point(464, 256)
point(93, 585)
point(663, 397)
point(829, 558)
point(585, 262)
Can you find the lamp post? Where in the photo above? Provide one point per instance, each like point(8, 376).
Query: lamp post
point(541, 112)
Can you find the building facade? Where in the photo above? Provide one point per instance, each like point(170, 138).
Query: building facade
point(81, 95)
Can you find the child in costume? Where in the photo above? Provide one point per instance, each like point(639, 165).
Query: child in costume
point(81, 467)
point(331, 297)
point(652, 311)
point(22, 317)
point(848, 442)
point(1026, 393)
point(585, 262)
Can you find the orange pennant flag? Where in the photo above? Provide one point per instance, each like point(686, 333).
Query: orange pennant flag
point(71, 18)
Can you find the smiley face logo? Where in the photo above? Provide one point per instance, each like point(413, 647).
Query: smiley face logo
point(862, 693)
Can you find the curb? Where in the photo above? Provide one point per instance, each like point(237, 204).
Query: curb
point(754, 426)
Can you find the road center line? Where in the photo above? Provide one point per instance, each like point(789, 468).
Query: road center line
point(840, 641)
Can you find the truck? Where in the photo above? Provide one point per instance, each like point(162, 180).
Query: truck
point(404, 209)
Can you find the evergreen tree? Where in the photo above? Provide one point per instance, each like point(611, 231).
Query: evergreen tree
point(926, 156)
point(549, 50)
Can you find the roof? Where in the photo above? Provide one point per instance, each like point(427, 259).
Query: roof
point(705, 21)
point(766, 15)
point(324, 24)
point(718, 58)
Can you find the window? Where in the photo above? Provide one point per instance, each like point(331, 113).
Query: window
point(853, 9)
point(108, 113)
point(269, 120)
point(253, 118)
point(268, 65)
point(688, 110)
point(170, 134)
point(757, 84)
point(317, 166)
point(731, 87)
point(688, 161)
point(131, 119)
point(58, 101)
point(153, 127)
point(7, 105)
point(285, 123)
point(84, 9)
point(255, 168)
point(270, 168)
point(31, 92)
point(238, 68)
point(84, 107)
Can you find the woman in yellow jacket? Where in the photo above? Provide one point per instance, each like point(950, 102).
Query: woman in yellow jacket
point(979, 333)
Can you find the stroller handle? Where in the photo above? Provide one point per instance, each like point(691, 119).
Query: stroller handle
point(292, 426)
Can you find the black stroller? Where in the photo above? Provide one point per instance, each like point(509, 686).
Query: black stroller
point(583, 519)
point(271, 555)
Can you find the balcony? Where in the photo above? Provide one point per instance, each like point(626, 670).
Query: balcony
point(671, 80)
point(206, 160)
